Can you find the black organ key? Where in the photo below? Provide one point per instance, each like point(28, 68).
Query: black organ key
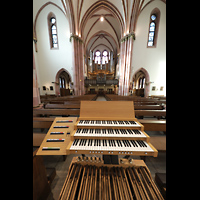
point(132, 122)
point(78, 130)
point(129, 131)
point(134, 143)
point(136, 131)
point(74, 142)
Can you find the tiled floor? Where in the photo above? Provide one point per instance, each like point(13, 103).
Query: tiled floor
point(155, 164)
point(100, 98)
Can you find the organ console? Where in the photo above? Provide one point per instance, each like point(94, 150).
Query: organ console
point(105, 129)
point(109, 128)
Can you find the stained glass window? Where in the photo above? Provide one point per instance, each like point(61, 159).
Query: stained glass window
point(153, 28)
point(105, 57)
point(53, 33)
point(97, 57)
point(152, 31)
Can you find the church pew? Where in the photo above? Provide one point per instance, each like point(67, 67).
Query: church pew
point(67, 106)
point(70, 98)
point(42, 123)
point(133, 98)
point(62, 106)
point(157, 113)
point(159, 142)
point(148, 107)
point(56, 111)
point(41, 188)
point(153, 124)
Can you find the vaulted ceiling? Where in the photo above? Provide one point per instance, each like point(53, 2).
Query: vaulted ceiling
point(119, 18)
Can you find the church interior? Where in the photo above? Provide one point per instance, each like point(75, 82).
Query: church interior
point(99, 99)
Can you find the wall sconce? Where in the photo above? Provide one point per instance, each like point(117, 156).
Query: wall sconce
point(35, 40)
point(55, 83)
point(148, 83)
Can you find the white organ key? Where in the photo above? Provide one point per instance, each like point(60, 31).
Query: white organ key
point(112, 123)
point(110, 145)
point(110, 133)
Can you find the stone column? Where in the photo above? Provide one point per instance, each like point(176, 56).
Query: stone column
point(36, 95)
point(125, 63)
point(78, 64)
point(111, 61)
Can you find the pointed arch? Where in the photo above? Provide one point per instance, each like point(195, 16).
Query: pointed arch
point(106, 33)
point(57, 88)
point(106, 5)
point(147, 80)
point(36, 17)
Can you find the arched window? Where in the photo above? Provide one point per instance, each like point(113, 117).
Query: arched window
point(62, 82)
point(141, 82)
point(53, 34)
point(97, 57)
point(153, 28)
point(105, 57)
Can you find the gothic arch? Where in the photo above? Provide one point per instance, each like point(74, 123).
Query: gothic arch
point(147, 80)
point(57, 88)
point(36, 17)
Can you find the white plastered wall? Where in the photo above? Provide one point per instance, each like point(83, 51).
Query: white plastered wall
point(151, 59)
point(50, 61)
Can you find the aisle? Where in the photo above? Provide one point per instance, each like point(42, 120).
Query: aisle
point(101, 98)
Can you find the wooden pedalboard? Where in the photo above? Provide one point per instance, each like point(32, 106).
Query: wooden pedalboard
point(89, 178)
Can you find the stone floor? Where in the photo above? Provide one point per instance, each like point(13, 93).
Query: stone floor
point(100, 98)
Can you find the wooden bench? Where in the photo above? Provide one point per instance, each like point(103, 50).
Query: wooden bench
point(62, 106)
point(153, 124)
point(56, 112)
point(42, 123)
point(157, 113)
point(159, 142)
point(67, 106)
point(41, 188)
point(148, 107)
point(111, 97)
point(70, 98)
